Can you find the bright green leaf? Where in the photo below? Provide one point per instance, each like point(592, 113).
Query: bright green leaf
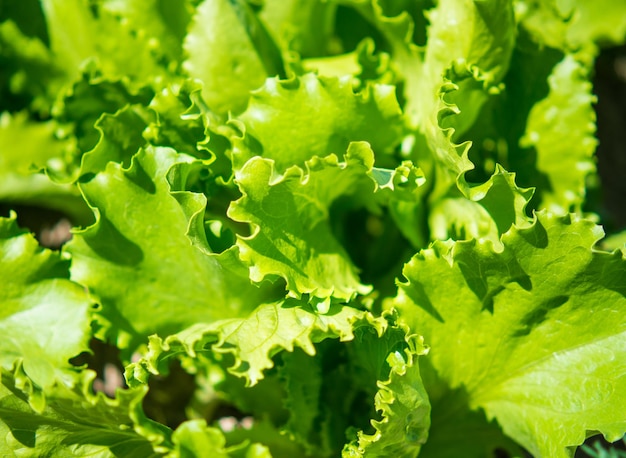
point(570, 24)
point(284, 19)
point(80, 33)
point(493, 207)
point(27, 148)
point(533, 333)
point(134, 268)
point(74, 423)
point(564, 154)
point(221, 54)
point(292, 237)
point(402, 401)
point(294, 120)
point(283, 325)
point(193, 438)
point(45, 319)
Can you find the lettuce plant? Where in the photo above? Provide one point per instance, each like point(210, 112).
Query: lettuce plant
point(307, 228)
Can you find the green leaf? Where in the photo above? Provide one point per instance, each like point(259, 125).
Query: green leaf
point(381, 359)
point(489, 212)
point(472, 37)
point(456, 430)
point(303, 380)
point(28, 16)
point(193, 438)
point(474, 40)
point(448, 81)
point(120, 139)
point(295, 220)
point(503, 118)
point(263, 432)
point(29, 75)
point(291, 121)
point(613, 242)
point(252, 340)
point(402, 401)
point(164, 23)
point(285, 18)
point(38, 147)
point(179, 119)
point(222, 55)
point(458, 79)
point(534, 333)
point(45, 319)
point(482, 34)
point(94, 96)
point(343, 386)
point(570, 24)
point(602, 21)
point(397, 31)
point(72, 44)
point(27, 148)
point(292, 237)
point(80, 34)
point(75, 422)
point(135, 269)
point(564, 155)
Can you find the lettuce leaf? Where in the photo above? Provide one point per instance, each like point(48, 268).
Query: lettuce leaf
point(530, 334)
point(291, 121)
point(382, 353)
point(73, 423)
point(564, 157)
point(247, 179)
point(28, 149)
point(570, 24)
point(130, 267)
point(230, 74)
point(39, 305)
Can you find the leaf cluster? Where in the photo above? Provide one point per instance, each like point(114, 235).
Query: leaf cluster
point(306, 228)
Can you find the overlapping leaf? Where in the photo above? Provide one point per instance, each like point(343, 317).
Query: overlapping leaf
point(489, 212)
point(94, 35)
point(132, 258)
point(45, 319)
point(564, 155)
point(475, 40)
point(27, 148)
point(291, 121)
point(533, 334)
point(570, 24)
point(402, 401)
point(252, 340)
point(384, 358)
point(179, 118)
point(75, 422)
point(292, 235)
point(397, 31)
point(369, 387)
point(221, 54)
point(459, 82)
